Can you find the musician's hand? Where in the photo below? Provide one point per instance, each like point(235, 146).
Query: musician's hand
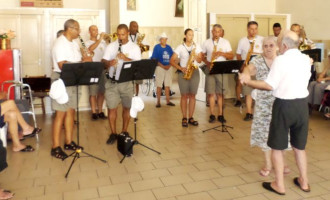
point(312, 61)
point(113, 62)
point(86, 58)
point(121, 56)
point(184, 70)
point(102, 35)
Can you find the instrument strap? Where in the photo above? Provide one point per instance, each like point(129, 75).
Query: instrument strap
point(132, 38)
point(184, 45)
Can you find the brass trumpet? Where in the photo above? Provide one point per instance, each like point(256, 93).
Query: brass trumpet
point(110, 37)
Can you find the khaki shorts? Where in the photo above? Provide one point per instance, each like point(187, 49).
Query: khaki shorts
point(72, 93)
point(246, 89)
point(99, 88)
point(138, 82)
point(118, 92)
point(163, 75)
point(189, 86)
point(214, 84)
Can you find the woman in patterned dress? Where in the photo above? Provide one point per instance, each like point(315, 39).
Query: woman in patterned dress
point(260, 67)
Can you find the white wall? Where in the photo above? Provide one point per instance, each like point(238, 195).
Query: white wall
point(314, 15)
point(151, 13)
point(241, 6)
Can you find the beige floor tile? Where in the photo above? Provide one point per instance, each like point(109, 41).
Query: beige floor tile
point(81, 194)
point(196, 196)
point(170, 191)
point(190, 160)
point(253, 197)
point(208, 165)
point(156, 173)
point(226, 193)
point(48, 197)
point(182, 169)
point(125, 178)
point(116, 189)
point(94, 183)
point(177, 179)
point(204, 175)
point(146, 184)
point(200, 186)
point(139, 167)
point(232, 170)
point(289, 194)
point(142, 195)
point(166, 163)
point(63, 187)
point(29, 192)
point(252, 188)
point(228, 181)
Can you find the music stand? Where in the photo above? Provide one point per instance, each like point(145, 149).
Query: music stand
point(75, 74)
point(225, 67)
point(137, 70)
point(315, 54)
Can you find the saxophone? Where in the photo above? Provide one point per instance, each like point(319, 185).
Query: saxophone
point(190, 65)
point(303, 46)
point(213, 58)
point(248, 56)
point(84, 50)
point(139, 40)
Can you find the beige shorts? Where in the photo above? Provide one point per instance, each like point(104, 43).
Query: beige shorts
point(138, 82)
point(188, 86)
point(118, 92)
point(99, 88)
point(214, 84)
point(246, 90)
point(72, 93)
point(163, 75)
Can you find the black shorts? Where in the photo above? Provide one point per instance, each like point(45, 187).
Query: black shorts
point(289, 116)
point(2, 119)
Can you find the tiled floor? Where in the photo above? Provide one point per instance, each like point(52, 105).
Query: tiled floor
point(192, 164)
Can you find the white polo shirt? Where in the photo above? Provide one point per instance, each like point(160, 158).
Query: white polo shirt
point(98, 51)
point(289, 75)
point(131, 51)
point(64, 50)
point(222, 45)
point(244, 46)
point(183, 53)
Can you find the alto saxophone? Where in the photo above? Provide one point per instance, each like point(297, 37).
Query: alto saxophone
point(213, 58)
point(190, 65)
point(139, 40)
point(84, 50)
point(249, 54)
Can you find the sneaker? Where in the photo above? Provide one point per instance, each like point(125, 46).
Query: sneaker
point(172, 93)
point(238, 103)
point(95, 116)
point(248, 117)
point(102, 116)
point(221, 119)
point(112, 138)
point(212, 118)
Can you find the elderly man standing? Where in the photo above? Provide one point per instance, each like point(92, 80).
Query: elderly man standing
point(288, 78)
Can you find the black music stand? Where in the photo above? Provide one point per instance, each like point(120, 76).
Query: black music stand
point(137, 70)
point(315, 54)
point(225, 67)
point(75, 74)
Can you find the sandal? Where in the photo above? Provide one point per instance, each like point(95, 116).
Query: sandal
point(193, 122)
point(58, 153)
point(264, 172)
point(27, 148)
point(286, 170)
point(6, 194)
point(184, 122)
point(34, 132)
point(72, 146)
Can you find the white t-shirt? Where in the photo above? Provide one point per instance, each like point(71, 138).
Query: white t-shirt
point(64, 50)
point(289, 75)
point(131, 50)
point(98, 51)
point(222, 45)
point(183, 53)
point(244, 46)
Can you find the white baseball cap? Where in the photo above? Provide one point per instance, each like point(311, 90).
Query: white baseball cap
point(58, 92)
point(137, 106)
point(163, 35)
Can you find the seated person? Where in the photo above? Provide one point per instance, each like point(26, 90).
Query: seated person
point(11, 115)
point(316, 88)
point(4, 194)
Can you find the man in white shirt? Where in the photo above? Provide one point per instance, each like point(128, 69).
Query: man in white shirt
point(115, 55)
point(65, 50)
point(216, 49)
point(244, 46)
point(288, 78)
point(96, 91)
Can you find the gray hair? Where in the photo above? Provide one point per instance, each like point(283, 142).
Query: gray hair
point(290, 39)
point(271, 38)
point(217, 26)
point(69, 23)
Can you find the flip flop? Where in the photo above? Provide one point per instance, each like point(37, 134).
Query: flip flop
point(28, 148)
point(8, 192)
point(34, 132)
point(264, 172)
point(267, 186)
point(296, 182)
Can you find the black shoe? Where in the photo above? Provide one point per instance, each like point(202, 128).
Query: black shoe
point(221, 119)
point(172, 93)
point(207, 104)
point(112, 138)
point(248, 117)
point(125, 133)
point(238, 103)
point(102, 116)
point(95, 116)
point(212, 118)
